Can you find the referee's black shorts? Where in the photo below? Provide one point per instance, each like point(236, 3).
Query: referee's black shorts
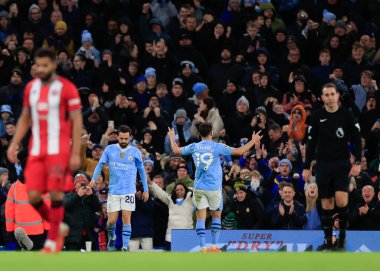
point(332, 176)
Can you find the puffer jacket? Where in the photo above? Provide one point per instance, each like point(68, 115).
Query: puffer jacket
point(180, 216)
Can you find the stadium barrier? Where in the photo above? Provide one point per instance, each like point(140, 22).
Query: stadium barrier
point(273, 240)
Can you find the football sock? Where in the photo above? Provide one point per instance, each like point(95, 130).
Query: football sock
point(215, 230)
point(126, 234)
point(201, 232)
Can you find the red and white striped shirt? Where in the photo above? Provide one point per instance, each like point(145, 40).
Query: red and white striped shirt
point(50, 106)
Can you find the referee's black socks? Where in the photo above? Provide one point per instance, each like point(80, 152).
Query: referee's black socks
point(343, 214)
point(327, 225)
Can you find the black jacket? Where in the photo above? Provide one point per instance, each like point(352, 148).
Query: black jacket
point(250, 213)
point(293, 221)
point(80, 215)
point(369, 221)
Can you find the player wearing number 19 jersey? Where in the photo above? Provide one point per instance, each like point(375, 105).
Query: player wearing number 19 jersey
point(123, 161)
point(208, 178)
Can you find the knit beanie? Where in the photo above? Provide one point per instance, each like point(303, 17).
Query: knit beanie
point(86, 36)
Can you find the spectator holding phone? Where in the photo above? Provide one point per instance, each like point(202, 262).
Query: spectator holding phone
point(81, 208)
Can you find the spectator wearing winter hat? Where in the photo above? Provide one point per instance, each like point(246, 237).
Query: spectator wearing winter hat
point(326, 29)
point(149, 167)
point(262, 64)
point(60, 40)
point(229, 222)
point(238, 125)
point(270, 12)
point(248, 209)
point(34, 22)
point(297, 126)
point(6, 29)
point(182, 127)
point(279, 175)
point(260, 121)
point(182, 178)
point(151, 79)
point(81, 207)
point(231, 95)
point(88, 48)
point(288, 214)
point(186, 51)
point(188, 76)
point(201, 91)
point(142, 93)
point(207, 112)
point(6, 115)
point(300, 94)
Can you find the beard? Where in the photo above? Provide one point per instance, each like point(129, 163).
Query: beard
point(123, 145)
point(47, 77)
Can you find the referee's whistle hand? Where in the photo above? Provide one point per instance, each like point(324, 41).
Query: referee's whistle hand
point(306, 174)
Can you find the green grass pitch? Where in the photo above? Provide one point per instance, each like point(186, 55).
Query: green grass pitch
point(155, 261)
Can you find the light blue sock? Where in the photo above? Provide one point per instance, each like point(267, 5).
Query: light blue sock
point(111, 232)
point(215, 230)
point(126, 234)
point(201, 232)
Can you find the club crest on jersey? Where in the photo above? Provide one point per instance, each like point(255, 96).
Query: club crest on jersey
point(130, 158)
point(54, 92)
point(340, 132)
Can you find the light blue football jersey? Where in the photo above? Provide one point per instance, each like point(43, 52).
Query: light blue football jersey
point(206, 155)
point(123, 165)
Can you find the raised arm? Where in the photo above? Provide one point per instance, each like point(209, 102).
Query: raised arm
point(249, 145)
point(175, 148)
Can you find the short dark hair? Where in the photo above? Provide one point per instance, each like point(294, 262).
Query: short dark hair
point(205, 129)
point(285, 184)
point(329, 85)
point(124, 129)
point(44, 52)
point(274, 127)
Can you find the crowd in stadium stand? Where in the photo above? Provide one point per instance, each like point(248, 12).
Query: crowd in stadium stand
point(242, 65)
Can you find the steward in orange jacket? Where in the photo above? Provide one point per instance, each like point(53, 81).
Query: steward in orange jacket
point(20, 214)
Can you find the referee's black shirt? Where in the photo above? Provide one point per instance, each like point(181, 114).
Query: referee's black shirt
point(329, 135)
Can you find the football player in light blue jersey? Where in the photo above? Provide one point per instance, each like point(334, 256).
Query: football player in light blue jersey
point(124, 160)
point(208, 178)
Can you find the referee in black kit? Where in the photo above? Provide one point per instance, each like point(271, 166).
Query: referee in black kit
point(331, 129)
